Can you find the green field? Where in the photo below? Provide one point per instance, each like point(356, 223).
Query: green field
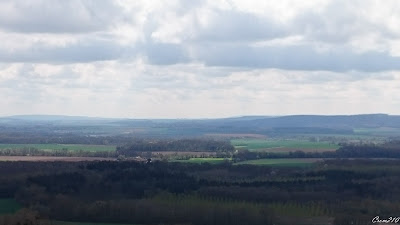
point(202, 160)
point(69, 147)
point(8, 206)
point(378, 131)
point(280, 162)
point(273, 145)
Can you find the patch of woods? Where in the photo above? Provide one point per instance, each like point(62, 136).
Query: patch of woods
point(175, 145)
point(390, 149)
point(333, 192)
point(134, 147)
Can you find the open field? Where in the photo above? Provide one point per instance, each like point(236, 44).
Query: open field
point(233, 135)
point(52, 158)
point(8, 206)
point(70, 147)
point(281, 162)
point(272, 145)
point(202, 160)
point(194, 154)
point(378, 131)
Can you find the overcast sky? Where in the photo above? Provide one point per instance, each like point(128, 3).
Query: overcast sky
point(199, 59)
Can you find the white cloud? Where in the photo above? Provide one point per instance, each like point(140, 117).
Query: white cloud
point(199, 58)
point(136, 89)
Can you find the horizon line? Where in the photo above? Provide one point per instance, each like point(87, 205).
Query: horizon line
point(185, 118)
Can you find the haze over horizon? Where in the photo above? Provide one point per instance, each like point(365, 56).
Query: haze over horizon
point(58, 116)
point(199, 59)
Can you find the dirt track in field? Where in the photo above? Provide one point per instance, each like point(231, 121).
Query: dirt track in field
point(52, 159)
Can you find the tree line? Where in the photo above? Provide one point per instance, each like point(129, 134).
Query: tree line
point(176, 145)
point(61, 138)
point(387, 150)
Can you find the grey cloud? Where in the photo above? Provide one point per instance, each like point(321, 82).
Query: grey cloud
point(57, 16)
point(300, 57)
point(165, 54)
point(237, 26)
point(83, 51)
point(296, 58)
point(341, 20)
point(226, 41)
point(334, 23)
point(93, 49)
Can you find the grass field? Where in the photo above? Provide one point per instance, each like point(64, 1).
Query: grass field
point(201, 160)
point(52, 159)
point(272, 145)
point(379, 131)
point(70, 147)
point(8, 206)
point(280, 162)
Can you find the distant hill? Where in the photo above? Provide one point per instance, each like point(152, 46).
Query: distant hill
point(334, 121)
point(264, 125)
point(350, 121)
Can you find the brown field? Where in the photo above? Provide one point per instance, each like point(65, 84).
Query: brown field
point(257, 136)
point(52, 158)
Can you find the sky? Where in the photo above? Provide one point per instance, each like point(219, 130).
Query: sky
point(200, 58)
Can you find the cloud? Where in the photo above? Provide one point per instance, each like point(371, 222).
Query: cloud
point(57, 16)
point(295, 58)
point(199, 58)
point(236, 26)
point(137, 89)
point(164, 54)
point(330, 35)
point(80, 51)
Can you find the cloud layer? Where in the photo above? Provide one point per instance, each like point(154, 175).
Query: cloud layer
point(199, 58)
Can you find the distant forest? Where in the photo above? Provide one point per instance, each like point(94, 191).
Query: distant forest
point(390, 149)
